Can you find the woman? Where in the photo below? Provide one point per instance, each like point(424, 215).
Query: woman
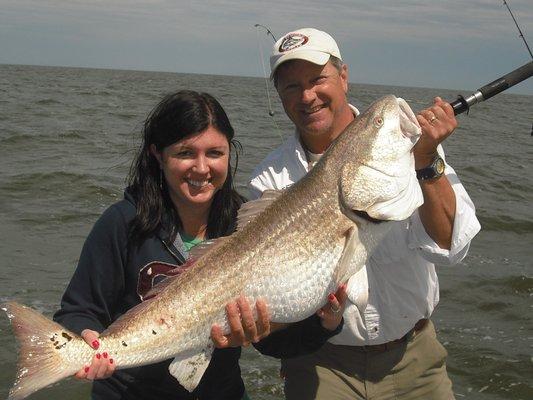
point(180, 193)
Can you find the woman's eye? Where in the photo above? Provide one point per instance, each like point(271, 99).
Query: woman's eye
point(215, 153)
point(184, 154)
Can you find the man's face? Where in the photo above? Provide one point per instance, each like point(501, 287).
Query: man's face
point(314, 96)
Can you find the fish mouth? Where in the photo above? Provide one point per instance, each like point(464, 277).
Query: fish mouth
point(409, 126)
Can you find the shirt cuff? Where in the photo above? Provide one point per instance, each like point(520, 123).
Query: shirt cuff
point(465, 227)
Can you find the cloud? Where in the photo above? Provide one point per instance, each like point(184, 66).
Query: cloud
point(219, 36)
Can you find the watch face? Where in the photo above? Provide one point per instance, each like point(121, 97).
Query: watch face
point(439, 166)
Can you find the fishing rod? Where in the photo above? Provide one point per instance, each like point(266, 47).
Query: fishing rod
point(462, 104)
point(522, 36)
point(518, 27)
point(268, 31)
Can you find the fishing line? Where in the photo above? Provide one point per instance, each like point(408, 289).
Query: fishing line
point(270, 110)
point(523, 38)
point(519, 30)
point(267, 84)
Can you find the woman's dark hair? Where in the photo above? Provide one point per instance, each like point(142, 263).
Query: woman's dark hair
point(177, 116)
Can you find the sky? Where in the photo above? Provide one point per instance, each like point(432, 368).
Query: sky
point(452, 44)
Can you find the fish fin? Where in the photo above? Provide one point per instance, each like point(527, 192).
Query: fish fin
point(246, 214)
point(253, 208)
point(353, 270)
point(40, 344)
point(189, 367)
point(357, 289)
point(343, 270)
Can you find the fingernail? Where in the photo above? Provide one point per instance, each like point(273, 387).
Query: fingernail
point(98, 356)
point(331, 297)
point(96, 344)
point(104, 354)
point(110, 361)
point(86, 369)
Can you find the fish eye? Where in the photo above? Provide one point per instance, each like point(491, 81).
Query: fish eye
point(378, 121)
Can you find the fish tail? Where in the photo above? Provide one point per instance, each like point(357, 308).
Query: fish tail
point(41, 341)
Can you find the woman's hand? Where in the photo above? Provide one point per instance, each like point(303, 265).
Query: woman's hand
point(243, 327)
point(102, 366)
point(331, 314)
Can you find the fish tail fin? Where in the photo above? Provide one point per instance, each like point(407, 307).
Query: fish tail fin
point(40, 341)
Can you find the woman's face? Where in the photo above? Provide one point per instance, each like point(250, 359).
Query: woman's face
point(195, 168)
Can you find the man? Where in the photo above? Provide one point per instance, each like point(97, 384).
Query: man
point(390, 350)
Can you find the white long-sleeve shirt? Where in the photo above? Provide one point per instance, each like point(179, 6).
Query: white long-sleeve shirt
point(402, 282)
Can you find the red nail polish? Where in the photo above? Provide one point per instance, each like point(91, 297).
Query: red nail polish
point(104, 354)
point(98, 356)
point(331, 297)
point(110, 361)
point(96, 344)
point(86, 369)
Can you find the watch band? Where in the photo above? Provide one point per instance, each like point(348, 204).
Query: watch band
point(434, 170)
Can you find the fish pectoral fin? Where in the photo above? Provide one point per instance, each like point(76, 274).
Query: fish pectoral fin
point(253, 208)
point(344, 270)
point(357, 289)
point(189, 367)
point(353, 270)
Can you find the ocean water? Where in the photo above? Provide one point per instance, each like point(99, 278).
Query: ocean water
point(67, 137)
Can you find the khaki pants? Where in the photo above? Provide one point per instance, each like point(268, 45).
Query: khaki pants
point(415, 369)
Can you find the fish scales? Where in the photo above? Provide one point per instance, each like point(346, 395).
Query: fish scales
point(292, 255)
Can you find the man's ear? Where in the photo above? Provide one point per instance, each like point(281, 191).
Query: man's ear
point(156, 154)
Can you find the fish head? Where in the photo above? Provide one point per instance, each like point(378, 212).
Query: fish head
point(377, 177)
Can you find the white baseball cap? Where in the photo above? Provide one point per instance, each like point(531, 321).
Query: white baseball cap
point(307, 44)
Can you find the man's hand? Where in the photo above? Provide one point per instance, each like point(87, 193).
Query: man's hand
point(438, 211)
point(437, 123)
point(243, 327)
point(102, 366)
point(331, 313)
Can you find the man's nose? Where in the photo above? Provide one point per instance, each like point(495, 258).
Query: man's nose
point(308, 95)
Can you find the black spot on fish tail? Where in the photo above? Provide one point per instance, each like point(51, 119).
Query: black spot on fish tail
point(66, 336)
point(154, 332)
point(124, 344)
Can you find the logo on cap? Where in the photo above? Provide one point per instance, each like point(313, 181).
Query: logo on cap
point(292, 41)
